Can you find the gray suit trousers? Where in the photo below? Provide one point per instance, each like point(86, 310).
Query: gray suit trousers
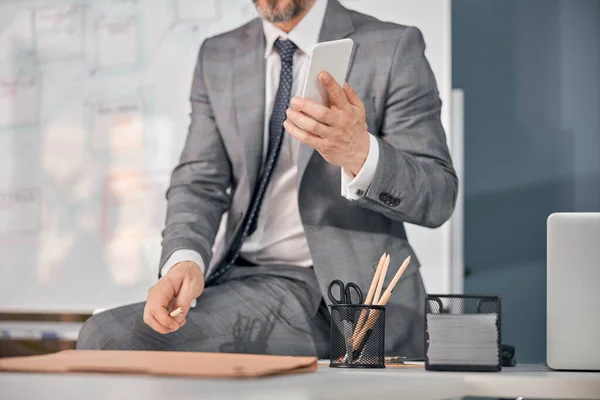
point(260, 310)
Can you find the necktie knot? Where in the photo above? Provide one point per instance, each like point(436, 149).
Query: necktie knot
point(286, 49)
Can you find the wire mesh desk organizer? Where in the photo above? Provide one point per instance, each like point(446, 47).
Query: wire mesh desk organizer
point(353, 344)
point(358, 329)
point(462, 333)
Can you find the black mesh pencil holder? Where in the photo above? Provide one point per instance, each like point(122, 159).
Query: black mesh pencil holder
point(357, 336)
point(462, 333)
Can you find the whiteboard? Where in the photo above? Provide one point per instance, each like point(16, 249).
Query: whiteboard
point(93, 115)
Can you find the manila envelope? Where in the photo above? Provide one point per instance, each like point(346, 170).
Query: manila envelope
point(209, 365)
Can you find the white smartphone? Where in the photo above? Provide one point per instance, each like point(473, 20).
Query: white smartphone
point(333, 57)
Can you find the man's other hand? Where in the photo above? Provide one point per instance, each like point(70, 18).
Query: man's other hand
point(339, 133)
point(182, 284)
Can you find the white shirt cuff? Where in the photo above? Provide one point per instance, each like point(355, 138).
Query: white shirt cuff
point(354, 187)
point(180, 256)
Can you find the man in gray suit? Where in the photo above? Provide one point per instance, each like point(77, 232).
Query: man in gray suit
point(304, 205)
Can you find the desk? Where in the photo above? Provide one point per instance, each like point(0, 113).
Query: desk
point(327, 383)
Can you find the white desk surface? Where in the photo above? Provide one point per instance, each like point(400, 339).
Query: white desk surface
point(327, 383)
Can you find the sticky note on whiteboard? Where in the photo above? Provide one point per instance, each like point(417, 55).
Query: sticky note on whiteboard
point(15, 32)
point(19, 100)
point(118, 43)
point(118, 124)
point(59, 32)
point(190, 10)
point(19, 211)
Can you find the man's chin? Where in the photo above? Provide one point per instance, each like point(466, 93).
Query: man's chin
point(272, 14)
point(276, 16)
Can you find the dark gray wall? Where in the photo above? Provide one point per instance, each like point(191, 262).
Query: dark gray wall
point(531, 74)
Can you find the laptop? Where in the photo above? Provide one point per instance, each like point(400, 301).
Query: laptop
point(573, 291)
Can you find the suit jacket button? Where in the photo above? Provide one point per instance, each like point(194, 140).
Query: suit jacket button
point(384, 197)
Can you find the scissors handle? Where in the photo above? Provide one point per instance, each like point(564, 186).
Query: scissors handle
point(345, 295)
point(348, 293)
point(341, 297)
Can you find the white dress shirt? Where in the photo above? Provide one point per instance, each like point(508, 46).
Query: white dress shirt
point(279, 236)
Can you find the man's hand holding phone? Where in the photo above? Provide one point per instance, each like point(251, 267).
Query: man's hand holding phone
point(338, 132)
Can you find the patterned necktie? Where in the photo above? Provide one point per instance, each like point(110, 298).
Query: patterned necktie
point(286, 50)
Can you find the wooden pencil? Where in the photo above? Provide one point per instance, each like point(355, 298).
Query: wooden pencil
point(388, 292)
point(375, 280)
point(381, 279)
point(371, 293)
point(374, 315)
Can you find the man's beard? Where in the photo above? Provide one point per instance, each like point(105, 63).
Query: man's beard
point(272, 14)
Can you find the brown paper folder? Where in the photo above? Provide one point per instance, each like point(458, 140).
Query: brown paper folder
point(210, 365)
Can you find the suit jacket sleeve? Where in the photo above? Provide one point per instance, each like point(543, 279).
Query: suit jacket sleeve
point(414, 181)
point(197, 196)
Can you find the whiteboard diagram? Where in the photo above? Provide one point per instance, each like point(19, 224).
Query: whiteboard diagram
point(59, 32)
point(118, 43)
point(19, 100)
point(94, 110)
point(19, 212)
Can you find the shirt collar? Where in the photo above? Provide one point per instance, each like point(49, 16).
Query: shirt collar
point(305, 34)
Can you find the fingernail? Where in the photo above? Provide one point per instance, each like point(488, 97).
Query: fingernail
point(325, 77)
point(294, 101)
point(288, 112)
point(286, 124)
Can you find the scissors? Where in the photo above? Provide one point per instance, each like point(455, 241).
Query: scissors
point(345, 292)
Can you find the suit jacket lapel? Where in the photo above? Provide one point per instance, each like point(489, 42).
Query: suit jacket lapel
point(249, 97)
point(336, 25)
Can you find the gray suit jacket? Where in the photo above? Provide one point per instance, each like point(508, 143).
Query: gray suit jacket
point(414, 181)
